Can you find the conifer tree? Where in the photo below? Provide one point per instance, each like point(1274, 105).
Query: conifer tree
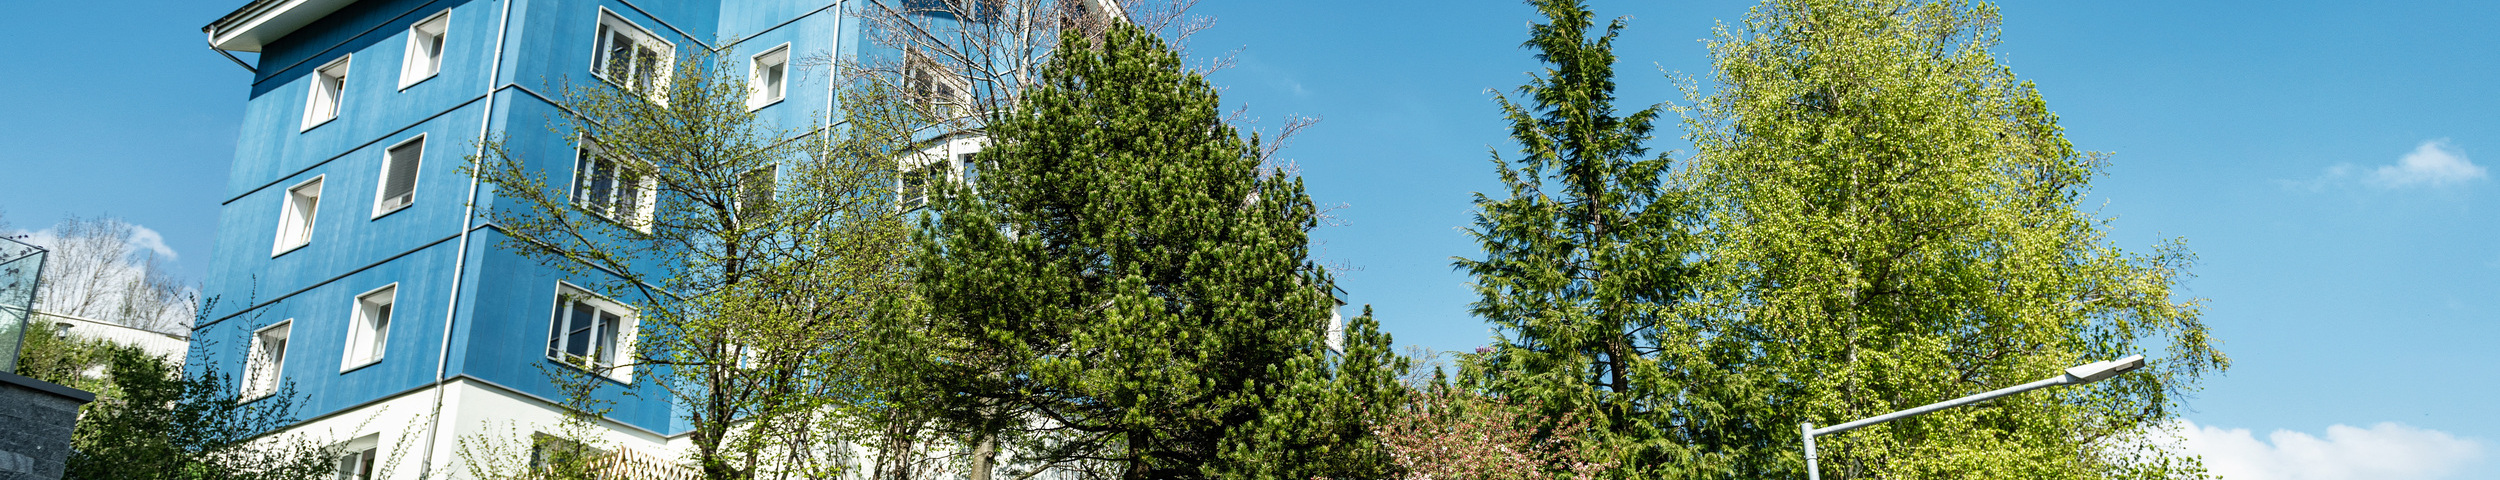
point(1583, 257)
point(1894, 221)
point(1125, 293)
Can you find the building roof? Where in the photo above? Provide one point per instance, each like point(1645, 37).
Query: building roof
point(262, 21)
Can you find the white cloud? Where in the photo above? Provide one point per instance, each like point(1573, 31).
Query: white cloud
point(2386, 451)
point(145, 239)
point(2434, 164)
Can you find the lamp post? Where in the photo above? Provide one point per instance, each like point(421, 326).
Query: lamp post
point(2077, 375)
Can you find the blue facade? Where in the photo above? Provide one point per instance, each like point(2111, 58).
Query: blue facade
point(502, 62)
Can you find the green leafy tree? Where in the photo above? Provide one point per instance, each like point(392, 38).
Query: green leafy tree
point(163, 424)
point(1129, 295)
point(755, 253)
point(1893, 220)
point(152, 421)
point(49, 355)
point(1585, 256)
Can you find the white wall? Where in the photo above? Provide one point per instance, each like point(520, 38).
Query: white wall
point(158, 344)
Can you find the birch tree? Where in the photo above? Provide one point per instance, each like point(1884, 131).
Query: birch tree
point(1894, 219)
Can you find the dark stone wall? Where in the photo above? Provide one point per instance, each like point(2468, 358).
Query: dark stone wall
point(35, 422)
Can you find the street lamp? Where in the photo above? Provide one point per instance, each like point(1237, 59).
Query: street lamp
point(2077, 375)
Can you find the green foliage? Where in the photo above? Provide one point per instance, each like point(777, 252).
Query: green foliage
point(1893, 220)
point(1584, 258)
point(754, 256)
point(165, 425)
point(50, 356)
point(1129, 295)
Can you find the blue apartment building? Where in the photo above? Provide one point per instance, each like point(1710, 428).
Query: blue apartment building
point(352, 260)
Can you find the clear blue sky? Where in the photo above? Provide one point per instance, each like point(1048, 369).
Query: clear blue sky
point(2256, 130)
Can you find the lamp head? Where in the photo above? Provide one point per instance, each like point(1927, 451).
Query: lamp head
point(2097, 371)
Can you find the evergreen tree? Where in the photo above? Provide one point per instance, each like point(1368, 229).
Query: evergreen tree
point(1128, 294)
point(1894, 221)
point(1584, 259)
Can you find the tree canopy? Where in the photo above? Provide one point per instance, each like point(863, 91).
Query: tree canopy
point(1127, 293)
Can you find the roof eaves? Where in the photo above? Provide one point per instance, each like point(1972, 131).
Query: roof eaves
point(240, 16)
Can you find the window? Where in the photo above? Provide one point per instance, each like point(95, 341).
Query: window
point(549, 452)
point(267, 359)
point(589, 332)
point(1076, 15)
point(295, 218)
point(425, 49)
point(917, 182)
point(370, 328)
point(399, 175)
point(612, 187)
point(969, 175)
point(770, 77)
point(755, 191)
point(977, 11)
point(930, 83)
point(357, 463)
point(328, 83)
point(921, 172)
point(630, 56)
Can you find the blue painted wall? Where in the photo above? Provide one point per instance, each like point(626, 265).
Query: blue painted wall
point(499, 315)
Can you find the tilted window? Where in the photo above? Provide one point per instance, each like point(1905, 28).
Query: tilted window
point(265, 365)
point(370, 328)
point(329, 84)
point(425, 49)
point(295, 217)
point(769, 78)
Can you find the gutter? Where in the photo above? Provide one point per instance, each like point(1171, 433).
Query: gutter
point(460, 260)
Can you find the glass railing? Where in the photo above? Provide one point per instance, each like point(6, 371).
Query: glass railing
point(21, 268)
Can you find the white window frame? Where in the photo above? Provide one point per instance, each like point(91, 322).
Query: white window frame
point(296, 216)
point(913, 188)
point(665, 64)
point(383, 185)
point(367, 336)
point(262, 374)
point(425, 49)
point(769, 176)
point(587, 160)
point(916, 65)
point(619, 345)
point(327, 98)
point(950, 158)
point(760, 93)
point(358, 458)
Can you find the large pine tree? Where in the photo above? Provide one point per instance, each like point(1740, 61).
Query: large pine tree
point(1584, 258)
point(1128, 293)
